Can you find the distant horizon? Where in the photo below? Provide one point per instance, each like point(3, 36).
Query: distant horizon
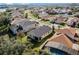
point(37, 1)
point(5, 5)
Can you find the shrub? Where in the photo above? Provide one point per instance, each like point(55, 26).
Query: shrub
point(63, 24)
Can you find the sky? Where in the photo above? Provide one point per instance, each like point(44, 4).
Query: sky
point(39, 1)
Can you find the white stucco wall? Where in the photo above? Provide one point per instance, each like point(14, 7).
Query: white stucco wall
point(76, 47)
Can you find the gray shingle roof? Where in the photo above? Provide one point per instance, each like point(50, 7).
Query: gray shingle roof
point(42, 30)
point(25, 23)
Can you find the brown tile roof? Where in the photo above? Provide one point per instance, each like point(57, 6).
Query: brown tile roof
point(47, 17)
point(62, 39)
point(72, 30)
point(62, 47)
point(67, 30)
point(75, 19)
point(60, 17)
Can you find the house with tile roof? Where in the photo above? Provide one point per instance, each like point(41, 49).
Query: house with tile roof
point(16, 14)
point(61, 44)
point(59, 19)
point(70, 33)
point(62, 39)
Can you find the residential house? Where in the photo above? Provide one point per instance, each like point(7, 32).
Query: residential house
point(55, 26)
point(59, 19)
point(58, 11)
point(63, 11)
point(17, 20)
point(47, 18)
point(60, 44)
point(22, 26)
point(39, 33)
point(73, 21)
point(42, 14)
point(70, 33)
point(51, 11)
point(16, 14)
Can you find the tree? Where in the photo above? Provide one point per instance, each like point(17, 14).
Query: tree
point(77, 15)
point(63, 24)
point(77, 25)
point(26, 15)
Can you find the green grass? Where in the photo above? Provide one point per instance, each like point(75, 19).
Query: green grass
point(6, 36)
point(32, 16)
point(2, 27)
point(24, 39)
point(46, 22)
